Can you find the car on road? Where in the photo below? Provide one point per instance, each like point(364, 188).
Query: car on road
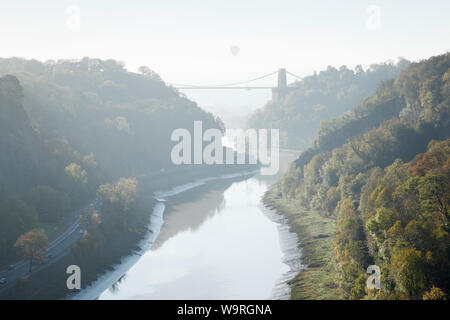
point(2, 280)
point(10, 267)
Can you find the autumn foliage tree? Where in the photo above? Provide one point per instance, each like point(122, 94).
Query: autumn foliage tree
point(33, 245)
point(118, 201)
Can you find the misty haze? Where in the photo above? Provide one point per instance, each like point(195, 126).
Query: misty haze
point(208, 152)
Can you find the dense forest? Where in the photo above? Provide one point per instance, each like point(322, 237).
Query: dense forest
point(318, 97)
point(67, 127)
point(382, 173)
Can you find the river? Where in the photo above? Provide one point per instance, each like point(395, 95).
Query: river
point(211, 239)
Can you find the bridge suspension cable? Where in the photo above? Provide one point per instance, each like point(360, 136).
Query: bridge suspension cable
point(227, 84)
point(238, 85)
point(294, 75)
point(247, 81)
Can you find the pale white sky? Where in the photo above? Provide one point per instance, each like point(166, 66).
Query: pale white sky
point(189, 41)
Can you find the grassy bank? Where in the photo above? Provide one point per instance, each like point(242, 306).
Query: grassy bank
point(315, 233)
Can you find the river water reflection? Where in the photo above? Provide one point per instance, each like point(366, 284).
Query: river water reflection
point(228, 249)
point(216, 242)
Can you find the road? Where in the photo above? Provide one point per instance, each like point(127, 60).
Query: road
point(61, 245)
point(57, 248)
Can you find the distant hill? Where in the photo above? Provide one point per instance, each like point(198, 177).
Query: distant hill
point(325, 95)
point(418, 96)
point(93, 108)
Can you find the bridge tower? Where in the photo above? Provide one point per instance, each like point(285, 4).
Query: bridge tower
point(282, 89)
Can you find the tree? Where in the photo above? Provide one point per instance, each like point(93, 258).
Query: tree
point(78, 174)
point(33, 245)
point(434, 193)
point(435, 294)
point(16, 218)
point(408, 267)
point(76, 183)
point(147, 72)
point(359, 288)
point(49, 203)
point(118, 201)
